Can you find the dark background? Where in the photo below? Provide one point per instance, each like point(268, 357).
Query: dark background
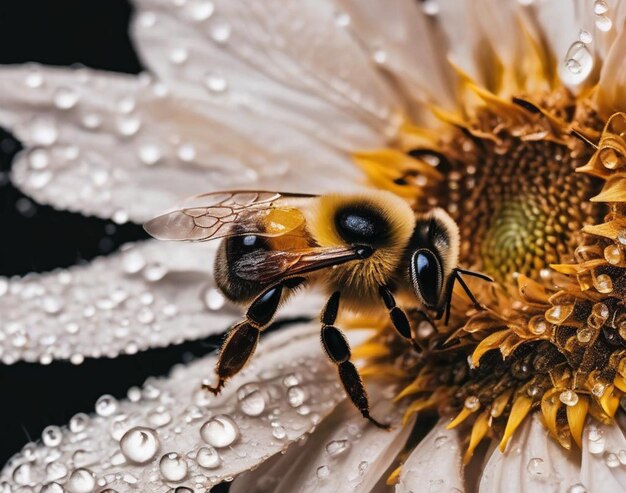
point(38, 238)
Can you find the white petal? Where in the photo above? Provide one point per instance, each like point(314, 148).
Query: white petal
point(402, 41)
point(345, 453)
point(613, 77)
point(119, 146)
point(174, 410)
point(435, 464)
point(290, 61)
point(532, 463)
point(603, 458)
point(149, 295)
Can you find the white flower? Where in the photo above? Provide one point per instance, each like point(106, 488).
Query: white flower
point(270, 94)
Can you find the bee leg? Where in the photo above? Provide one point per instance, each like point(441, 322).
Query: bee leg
point(338, 350)
point(242, 339)
point(467, 290)
point(398, 318)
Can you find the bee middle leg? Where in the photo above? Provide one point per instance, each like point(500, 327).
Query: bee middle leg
point(242, 339)
point(338, 350)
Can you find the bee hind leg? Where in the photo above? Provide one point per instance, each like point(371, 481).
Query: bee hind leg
point(338, 350)
point(243, 338)
point(398, 317)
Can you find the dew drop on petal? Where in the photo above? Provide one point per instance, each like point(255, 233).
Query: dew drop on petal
point(25, 474)
point(578, 63)
point(208, 458)
point(296, 396)
point(537, 468)
point(585, 36)
point(568, 397)
point(91, 121)
point(215, 83)
point(81, 481)
point(220, 431)
point(147, 19)
point(600, 7)
point(133, 262)
point(106, 405)
point(79, 423)
point(128, 125)
point(120, 216)
point(323, 472)
point(173, 467)
point(430, 7)
point(472, 403)
point(251, 400)
point(52, 436)
point(154, 272)
point(577, 488)
point(179, 55)
point(186, 152)
point(159, 417)
point(220, 31)
point(199, 10)
point(279, 432)
point(335, 448)
point(596, 441)
point(611, 460)
point(584, 334)
point(139, 444)
point(55, 470)
point(214, 299)
point(51, 488)
point(441, 441)
point(34, 79)
point(43, 131)
point(149, 154)
point(65, 98)
point(342, 19)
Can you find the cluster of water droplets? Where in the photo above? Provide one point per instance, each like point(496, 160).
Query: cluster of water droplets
point(171, 433)
point(119, 304)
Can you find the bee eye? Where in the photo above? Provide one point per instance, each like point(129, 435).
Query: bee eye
point(427, 277)
point(358, 225)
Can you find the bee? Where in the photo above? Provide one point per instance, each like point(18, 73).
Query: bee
point(364, 249)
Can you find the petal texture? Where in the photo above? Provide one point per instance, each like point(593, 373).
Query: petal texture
point(151, 294)
point(345, 453)
point(94, 140)
point(533, 462)
point(603, 457)
point(435, 464)
point(172, 434)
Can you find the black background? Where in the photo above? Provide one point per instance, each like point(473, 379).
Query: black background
point(38, 238)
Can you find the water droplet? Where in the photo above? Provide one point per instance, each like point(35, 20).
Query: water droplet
point(154, 272)
point(106, 405)
point(179, 55)
point(65, 98)
point(139, 444)
point(26, 475)
point(91, 121)
point(199, 10)
point(585, 36)
point(578, 63)
point(128, 125)
point(55, 470)
point(81, 481)
point(215, 82)
point(126, 104)
point(34, 79)
point(251, 400)
point(214, 299)
point(145, 315)
point(380, 56)
point(430, 7)
point(537, 468)
point(38, 159)
point(78, 423)
point(363, 465)
point(600, 7)
point(577, 488)
point(50, 488)
point(220, 431)
point(342, 19)
point(568, 397)
point(472, 403)
point(296, 396)
point(186, 152)
point(538, 325)
point(596, 441)
point(583, 334)
point(173, 467)
point(133, 262)
point(337, 447)
point(43, 131)
point(159, 417)
point(611, 460)
point(147, 19)
point(120, 216)
point(149, 154)
point(52, 436)
point(322, 472)
point(440, 441)
point(220, 31)
point(598, 389)
point(603, 283)
point(208, 458)
point(279, 432)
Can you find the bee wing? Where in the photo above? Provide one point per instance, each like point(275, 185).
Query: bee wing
point(213, 215)
point(270, 266)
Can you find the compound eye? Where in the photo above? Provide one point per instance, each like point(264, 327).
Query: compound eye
point(358, 225)
point(427, 277)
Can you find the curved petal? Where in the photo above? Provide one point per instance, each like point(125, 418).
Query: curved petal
point(435, 464)
point(533, 462)
point(391, 31)
point(149, 295)
point(603, 457)
point(291, 61)
point(97, 139)
point(345, 453)
point(188, 437)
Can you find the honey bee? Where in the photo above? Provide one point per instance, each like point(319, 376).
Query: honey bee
point(365, 249)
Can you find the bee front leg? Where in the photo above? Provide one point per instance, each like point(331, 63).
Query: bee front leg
point(243, 338)
point(338, 350)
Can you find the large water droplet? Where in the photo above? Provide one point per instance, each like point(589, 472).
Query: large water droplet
point(568, 397)
point(140, 444)
point(251, 400)
point(106, 405)
point(430, 7)
point(208, 458)
point(335, 448)
point(596, 441)
point(173, 467)
point(81, 481)
point(52, 436)
point(26, 475)
point(600, 7)
point(296, 396)
point(220, 431)
point(578, 63)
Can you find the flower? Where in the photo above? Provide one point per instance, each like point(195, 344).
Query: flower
point(507, 114)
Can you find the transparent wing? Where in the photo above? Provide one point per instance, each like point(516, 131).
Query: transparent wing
point(217, 215)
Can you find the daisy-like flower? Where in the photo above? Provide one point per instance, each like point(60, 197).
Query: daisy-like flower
point(508, 114)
